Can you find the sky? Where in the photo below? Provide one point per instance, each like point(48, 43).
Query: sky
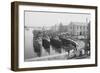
point(39, 19)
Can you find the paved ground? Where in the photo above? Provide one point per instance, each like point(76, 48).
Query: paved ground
point(81, 44)
point(80, 47)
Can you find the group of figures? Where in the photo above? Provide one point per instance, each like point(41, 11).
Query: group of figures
point(55, 41)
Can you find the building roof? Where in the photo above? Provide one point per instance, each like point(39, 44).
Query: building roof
point(79, 23)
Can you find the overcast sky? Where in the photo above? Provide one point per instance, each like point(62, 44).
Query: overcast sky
point(38, 19)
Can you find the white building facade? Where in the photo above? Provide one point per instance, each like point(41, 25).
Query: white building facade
point(79, 29)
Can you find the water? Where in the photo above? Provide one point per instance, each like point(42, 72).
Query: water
point(28, 44)
point(29, 50)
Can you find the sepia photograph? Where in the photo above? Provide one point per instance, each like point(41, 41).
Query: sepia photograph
point(56, 35)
